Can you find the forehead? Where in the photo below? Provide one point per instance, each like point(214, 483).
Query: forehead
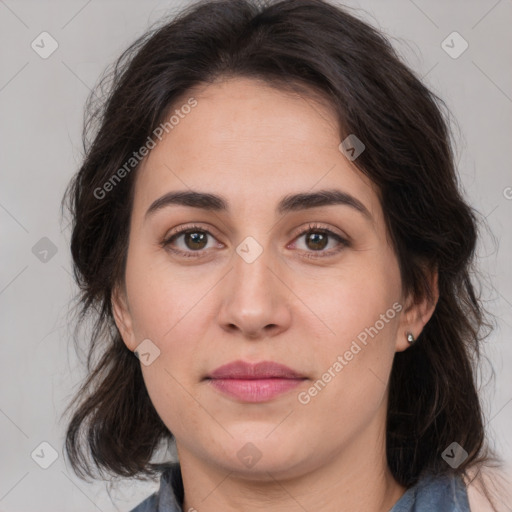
point(249, 139)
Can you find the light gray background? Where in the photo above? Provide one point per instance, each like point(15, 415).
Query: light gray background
point(42, 106)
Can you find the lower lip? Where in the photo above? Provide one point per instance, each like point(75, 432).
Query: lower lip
point(254, 390)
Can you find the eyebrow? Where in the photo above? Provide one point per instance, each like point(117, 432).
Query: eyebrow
point(289, 203)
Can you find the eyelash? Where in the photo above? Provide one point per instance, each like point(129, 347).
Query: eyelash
point(311, 228)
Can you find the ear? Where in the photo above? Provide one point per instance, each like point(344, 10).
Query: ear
point(417, 313)
point(122, 317)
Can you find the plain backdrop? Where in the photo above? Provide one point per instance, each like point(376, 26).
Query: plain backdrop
point(42, 102)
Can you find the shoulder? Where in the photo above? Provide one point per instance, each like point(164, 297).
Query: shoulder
point(150, 504)
point(169, 495)
point(435, 493)
point(496, 483)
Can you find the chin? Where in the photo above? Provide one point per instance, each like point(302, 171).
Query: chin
point(255, 457)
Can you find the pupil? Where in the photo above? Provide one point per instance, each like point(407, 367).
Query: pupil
point(196, 238)
point(318, 239)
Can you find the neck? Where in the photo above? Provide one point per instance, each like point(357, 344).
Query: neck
point(357, 478)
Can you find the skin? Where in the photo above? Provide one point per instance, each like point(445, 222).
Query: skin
point(253, 144)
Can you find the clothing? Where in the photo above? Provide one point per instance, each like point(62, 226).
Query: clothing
point(431, 494)
point(434, 494)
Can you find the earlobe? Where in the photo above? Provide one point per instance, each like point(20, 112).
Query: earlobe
point(122, 317)
point(416, 315)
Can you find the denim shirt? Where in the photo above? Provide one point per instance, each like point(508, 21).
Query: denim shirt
point(445, 493)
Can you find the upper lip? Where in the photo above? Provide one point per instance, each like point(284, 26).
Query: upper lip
point(261, 370)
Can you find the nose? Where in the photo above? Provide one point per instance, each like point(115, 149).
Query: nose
point(255, 301)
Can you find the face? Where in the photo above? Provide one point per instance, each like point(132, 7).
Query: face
point(259, 274)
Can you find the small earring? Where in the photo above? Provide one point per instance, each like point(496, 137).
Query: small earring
point(410, 338)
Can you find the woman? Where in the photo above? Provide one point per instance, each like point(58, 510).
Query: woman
point(268, 217)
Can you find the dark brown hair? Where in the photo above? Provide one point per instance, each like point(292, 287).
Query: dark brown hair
point(317, 48)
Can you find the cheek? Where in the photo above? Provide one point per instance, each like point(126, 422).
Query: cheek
point(159, 297)
point(163, 310)
point(363, 296)
point(355, 347)
point(353, 368)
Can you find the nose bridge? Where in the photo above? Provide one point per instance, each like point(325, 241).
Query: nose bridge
point(252, 277)
point(253, 298)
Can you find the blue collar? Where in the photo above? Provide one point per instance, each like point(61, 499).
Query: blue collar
point(442, 493)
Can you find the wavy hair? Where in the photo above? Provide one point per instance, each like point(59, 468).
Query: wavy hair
point(322, 51)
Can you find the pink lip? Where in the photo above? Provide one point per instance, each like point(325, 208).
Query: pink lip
point(258, 382)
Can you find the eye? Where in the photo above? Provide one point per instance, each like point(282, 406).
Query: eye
point(318, 238)
point(193, 239)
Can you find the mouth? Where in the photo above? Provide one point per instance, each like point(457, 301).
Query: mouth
point(249, 382)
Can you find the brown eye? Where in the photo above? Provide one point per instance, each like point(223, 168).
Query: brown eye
point(195, 240)
point(189, 241)
point(316, 240)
